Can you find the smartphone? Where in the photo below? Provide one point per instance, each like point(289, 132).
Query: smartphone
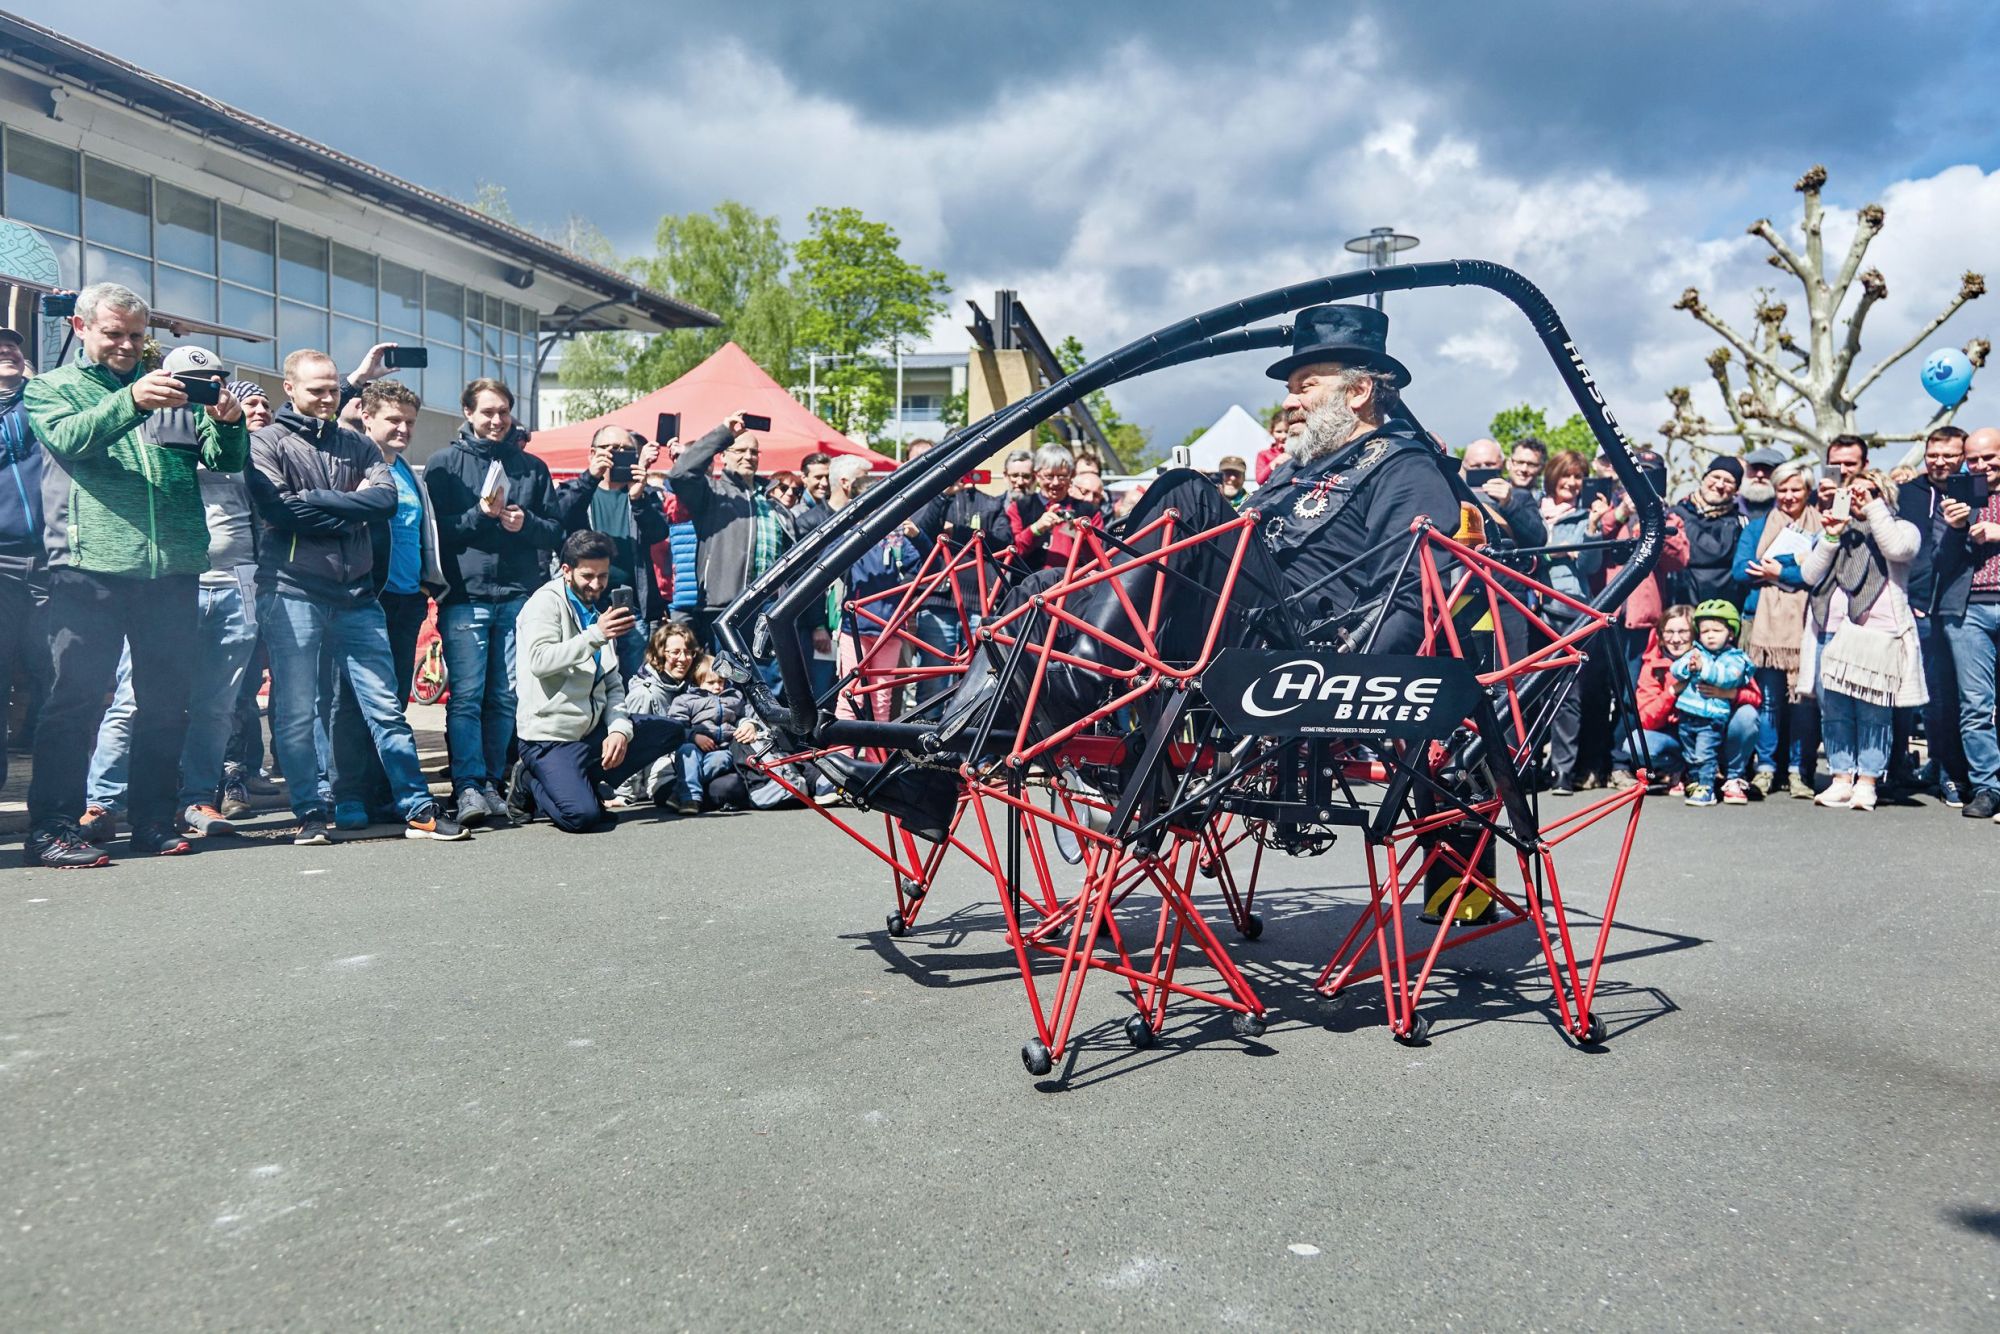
point(622, 599)
point(1968, 488)
point(1593, 487)
point(406, 358)
point(753, 422)
point(668, 427)
point(622, 463)
point(1842, 507)
point(1478, 477)
point(200, 388)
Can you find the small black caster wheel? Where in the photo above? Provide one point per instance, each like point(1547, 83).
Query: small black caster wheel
point(1140, 1033)
point(1207, 869)
point(1035, 1056)
point(911, 888)
point(897, 926)
point(1253, 926)
point(1419, 1034)
point(1595, 1033)
point(1247, 1025)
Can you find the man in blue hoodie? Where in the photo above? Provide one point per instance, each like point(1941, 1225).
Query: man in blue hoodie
point(24, 648)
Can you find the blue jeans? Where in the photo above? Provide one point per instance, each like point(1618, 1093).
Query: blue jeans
point(942, 631)
point(298, 633)
point(1857, 733)
point(698, 766)
point(1739, 742)
point(1975, 639)
point(227, 632)
point(479, 661)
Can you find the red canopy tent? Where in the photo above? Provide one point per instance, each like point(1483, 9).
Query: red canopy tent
point(727, 383)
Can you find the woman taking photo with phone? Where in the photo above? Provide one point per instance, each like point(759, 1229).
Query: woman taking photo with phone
point(1859, 655)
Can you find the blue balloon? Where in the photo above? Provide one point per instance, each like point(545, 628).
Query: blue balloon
point(1947, 375)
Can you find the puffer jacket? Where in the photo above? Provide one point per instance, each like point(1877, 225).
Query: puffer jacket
point(650, 692)
point(111, 502)
point(705, 714)
point(316, 486)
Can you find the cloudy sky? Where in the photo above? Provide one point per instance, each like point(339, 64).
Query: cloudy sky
point(1126, 164)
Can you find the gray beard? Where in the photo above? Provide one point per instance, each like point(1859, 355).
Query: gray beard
point(1327, 427)
point(1758, 493)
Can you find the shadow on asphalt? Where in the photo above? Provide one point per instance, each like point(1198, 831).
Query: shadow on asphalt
point(1501, 978)
point(1986, 1222)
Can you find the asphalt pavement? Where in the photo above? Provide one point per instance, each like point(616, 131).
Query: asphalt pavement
point(679, 1076)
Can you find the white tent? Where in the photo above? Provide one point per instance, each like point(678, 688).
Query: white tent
point(1235, 432)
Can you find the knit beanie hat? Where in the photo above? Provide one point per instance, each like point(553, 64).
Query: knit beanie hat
point(1727, 463)
point(245, 390)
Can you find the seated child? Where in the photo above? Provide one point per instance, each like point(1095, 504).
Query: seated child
point(1715, 662)
point(712, 712)
point(670, 657)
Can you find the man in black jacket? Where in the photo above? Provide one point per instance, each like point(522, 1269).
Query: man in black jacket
point(629, 513)
point(1941, 523)
point(1714, 521)
point(495, 509)
point(316, 487)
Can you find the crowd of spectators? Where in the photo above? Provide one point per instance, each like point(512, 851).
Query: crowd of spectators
point(165, 543)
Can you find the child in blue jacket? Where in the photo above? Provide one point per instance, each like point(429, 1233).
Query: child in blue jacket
point(1714, 661)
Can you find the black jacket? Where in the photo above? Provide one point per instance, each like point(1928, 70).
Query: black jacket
point(1941, 575)
point(649, 527)
point(956, 518)
point(483, 562)
point(1711, 568)
point(316, 486)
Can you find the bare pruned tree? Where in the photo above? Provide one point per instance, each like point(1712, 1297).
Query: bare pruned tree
point(1797, 396)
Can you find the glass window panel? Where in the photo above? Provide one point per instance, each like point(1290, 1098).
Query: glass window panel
point(68, 255)
point(301, 266)
point(255, 313)
point(511, 318)
point(402, 297)
point(117, 207)
point(248, 249)
point(41, 184)
point(490, 340)
point(301, 326)
point(184, 228)
point(472, 339)
point(514, 349)
point(493, 312)
point(353, 283)
point(351, 341)
point(446, 378)
point(115, 266)
point(444, 313)
point(178, 292)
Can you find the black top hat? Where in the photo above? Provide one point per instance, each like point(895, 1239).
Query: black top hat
point(1351, 335)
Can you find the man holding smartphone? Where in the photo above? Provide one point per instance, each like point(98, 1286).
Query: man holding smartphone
point(1927, 502)
point(127, 542)
point(572, 722)
point(1966, 602)
point(739, 531)
point(611, 497)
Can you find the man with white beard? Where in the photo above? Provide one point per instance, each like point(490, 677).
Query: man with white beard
point(1757, 493)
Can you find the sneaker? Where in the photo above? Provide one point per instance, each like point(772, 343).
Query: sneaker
point(1764, 780)
point(1838, 796)
point(496, 808)
point(98, 825)
point(350, 815)
point(1622, 779)
point(520, 807)
point(1985, 804)
point(1863, 798)
point(825, 793)
point(1591, 782)
point(1698, 794)
point(686, 806)
point(160, 840)
point(429, 822)
point(313, 831)
point(1676, 788)
point(1802, 788)
point(235, 799)
point(1736, 792)
point(204, 821)
point(1950, 792)
point(62, 847)
point(472, 810)
point(261, 784)
point(1562, 785)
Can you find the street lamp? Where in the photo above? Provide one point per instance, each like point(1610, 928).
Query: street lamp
point(1381, 246)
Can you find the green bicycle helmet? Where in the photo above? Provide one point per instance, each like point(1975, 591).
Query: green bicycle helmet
point(1720, 609)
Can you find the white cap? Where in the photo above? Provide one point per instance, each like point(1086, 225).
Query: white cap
point(192, 360)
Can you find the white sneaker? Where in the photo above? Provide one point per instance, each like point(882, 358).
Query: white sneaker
point(1839, 794)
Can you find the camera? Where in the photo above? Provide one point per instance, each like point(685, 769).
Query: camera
point(200, 388)
point(58, 305)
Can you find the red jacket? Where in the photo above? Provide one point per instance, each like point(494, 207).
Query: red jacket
point(1642, 609)
point(1267, 459)
point(1658, 690)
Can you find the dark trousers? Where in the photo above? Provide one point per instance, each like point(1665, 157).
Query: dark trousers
point(1580, 733)
point(91, 618)
point(24, 642)
point(562, 776)
point(357, 769)
point(1941, 723)
point(246, 743)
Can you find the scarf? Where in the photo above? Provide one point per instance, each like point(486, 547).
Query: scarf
point(1859, 571)
point(1780, 622)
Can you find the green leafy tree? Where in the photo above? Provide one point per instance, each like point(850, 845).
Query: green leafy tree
point(1521, 420)
point(1132, 443)
point(733, 261)
point(857, 298)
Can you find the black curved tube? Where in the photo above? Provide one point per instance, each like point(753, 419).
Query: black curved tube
point(811, 568)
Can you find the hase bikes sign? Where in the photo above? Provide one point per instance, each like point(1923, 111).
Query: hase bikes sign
point(1261, 692)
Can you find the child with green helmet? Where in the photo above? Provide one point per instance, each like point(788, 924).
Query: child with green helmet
point(1713, 670)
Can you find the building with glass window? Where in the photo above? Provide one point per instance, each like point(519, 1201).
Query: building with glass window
point(253, 241)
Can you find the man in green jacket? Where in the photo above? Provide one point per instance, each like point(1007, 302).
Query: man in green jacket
point(127, 540)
